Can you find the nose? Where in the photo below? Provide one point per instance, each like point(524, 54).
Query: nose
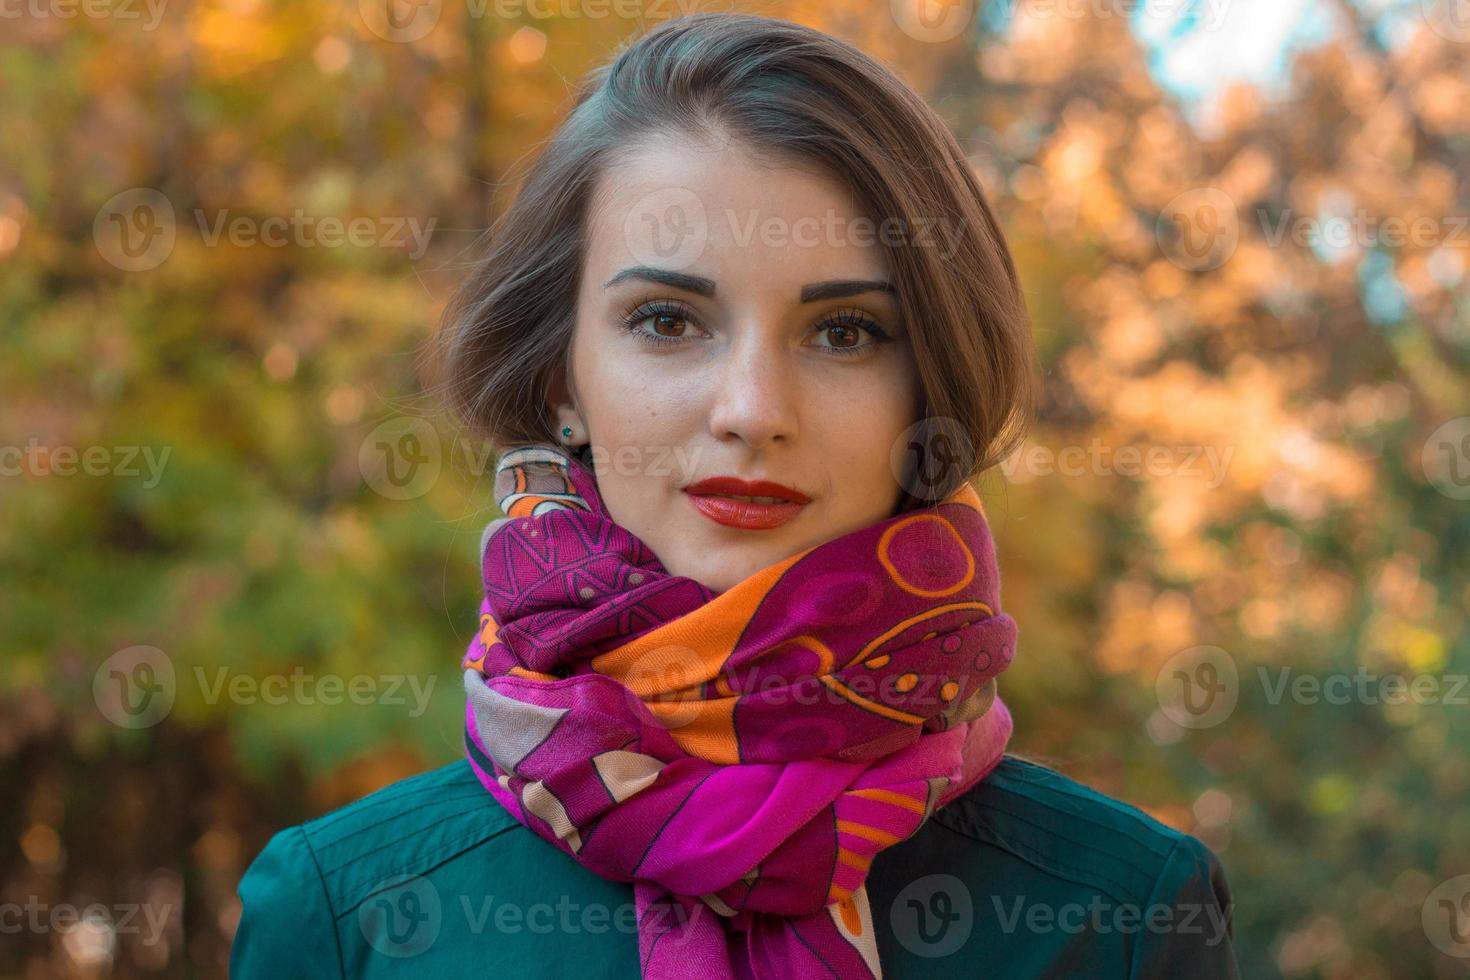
point(757, 391)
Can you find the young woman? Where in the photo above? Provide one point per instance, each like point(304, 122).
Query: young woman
point(747, 334)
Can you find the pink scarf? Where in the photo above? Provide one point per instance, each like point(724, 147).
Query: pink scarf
point(739, 756)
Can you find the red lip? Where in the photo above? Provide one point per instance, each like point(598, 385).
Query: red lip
point(746, 488)
point(705, 496)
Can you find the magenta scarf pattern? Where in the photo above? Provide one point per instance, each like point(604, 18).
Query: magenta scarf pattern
point(741, 757)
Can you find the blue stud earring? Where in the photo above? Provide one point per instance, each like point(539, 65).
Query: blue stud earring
point(566, 431)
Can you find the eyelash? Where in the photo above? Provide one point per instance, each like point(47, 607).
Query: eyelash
point(635, 317)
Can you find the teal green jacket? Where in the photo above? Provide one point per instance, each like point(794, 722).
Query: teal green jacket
point(1028, 874)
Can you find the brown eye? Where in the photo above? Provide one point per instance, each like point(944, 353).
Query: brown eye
point(660, 323)
point(845, 331)
point(667, 320)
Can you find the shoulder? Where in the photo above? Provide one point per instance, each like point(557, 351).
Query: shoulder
point(407, 828)
point(1054, 878)
point(1065, 828)
point(311, 877)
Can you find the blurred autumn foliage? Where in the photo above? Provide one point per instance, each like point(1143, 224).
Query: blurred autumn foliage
point(1253, 441)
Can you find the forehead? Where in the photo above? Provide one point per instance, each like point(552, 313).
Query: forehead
point(720, 211)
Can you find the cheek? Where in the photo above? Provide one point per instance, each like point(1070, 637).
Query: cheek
point(611, 395)
point(861, 415)
point(637, 413)
point(638, 405)
point(639, 429)
point(860, 438)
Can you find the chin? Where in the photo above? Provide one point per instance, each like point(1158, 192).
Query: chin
point(718, 578)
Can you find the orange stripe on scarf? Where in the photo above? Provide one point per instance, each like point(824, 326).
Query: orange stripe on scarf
point(693, 649)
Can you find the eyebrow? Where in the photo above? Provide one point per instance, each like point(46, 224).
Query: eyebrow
point(810, 293)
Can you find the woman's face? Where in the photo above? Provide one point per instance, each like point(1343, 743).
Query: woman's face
point(732, 321)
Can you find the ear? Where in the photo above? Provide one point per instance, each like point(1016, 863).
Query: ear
point(559, 388)
point(562, 402)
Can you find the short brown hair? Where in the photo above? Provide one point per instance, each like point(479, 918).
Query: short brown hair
point(789, 92)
